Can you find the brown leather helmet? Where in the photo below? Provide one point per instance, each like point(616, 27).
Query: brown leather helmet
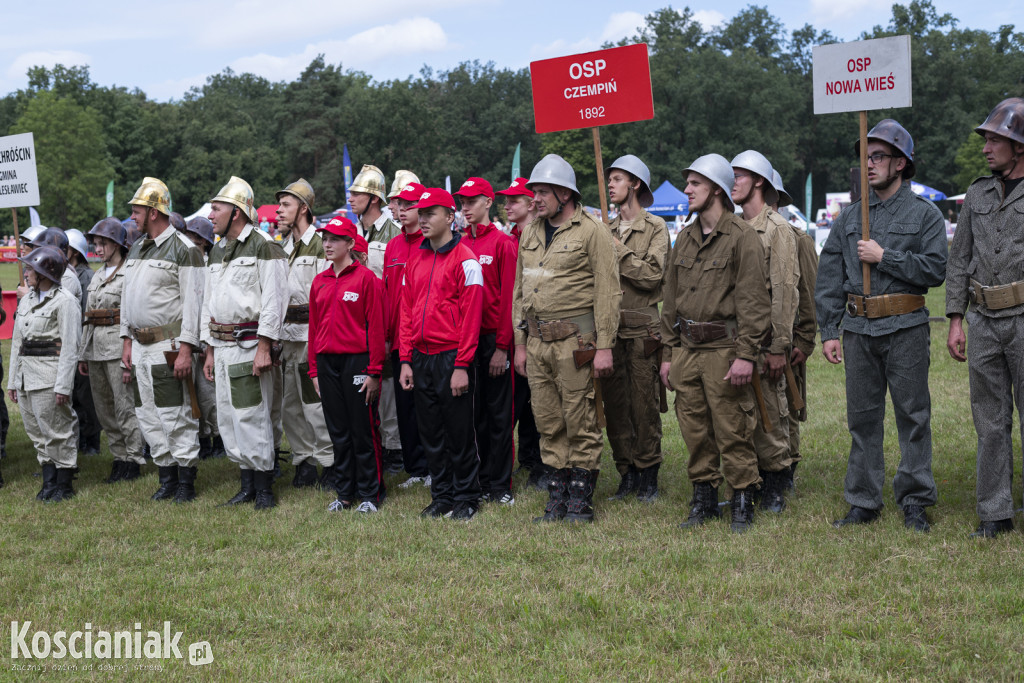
point(1007, 119)
point(132, 232)
point(47, 262)
point(52, 237)
point(202, 227)
point(112, 229)
point(177, 221)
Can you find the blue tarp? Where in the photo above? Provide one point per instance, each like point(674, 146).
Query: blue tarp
point(669, 201)
point(926, 192)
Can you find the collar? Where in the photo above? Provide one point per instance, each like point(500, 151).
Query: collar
point(307, 236)
point(344, 271)
point(456, 237)
point(482, 229)
point(893, 202)
point(246, 231)
point(164, 236)
point(409, 237)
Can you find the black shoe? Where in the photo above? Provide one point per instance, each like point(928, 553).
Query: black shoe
point(393, 461)
point(558, 496)
point(463, 511)
point(772, 487)
point(914, 517)
point(305, 475)
point(186, 491)
point(130, 470)
point(217, 447)
point(992, 529)
point(49, 482)
point(247, 491)
point(168, 483)
point(205, 446)
point(858, 515)
point(264, 483)
point(580, 506)
point(116, 472)
point(789, 483)
point(703, 506)
point(647, 488)
point(438, 508)
point(64, 490)
point(277, 463)
point(534, 480)
point(629, 483)
point(90, 450)
point(328, 479)
point(742, 511)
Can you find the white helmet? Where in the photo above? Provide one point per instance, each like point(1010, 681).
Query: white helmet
point(755, 162)
point(77, 241)
point(718, 170)
point(632, 164)
point(784, 198)
point(32, 233)
point(554, 170)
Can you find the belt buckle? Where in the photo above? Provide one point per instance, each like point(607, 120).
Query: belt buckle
point(851, 307)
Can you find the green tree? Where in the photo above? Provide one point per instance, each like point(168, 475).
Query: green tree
point(971, 162)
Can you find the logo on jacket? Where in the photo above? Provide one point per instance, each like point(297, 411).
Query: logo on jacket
point(486, 260)
point(350, 296)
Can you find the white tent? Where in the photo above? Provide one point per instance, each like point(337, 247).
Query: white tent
point(203, 212)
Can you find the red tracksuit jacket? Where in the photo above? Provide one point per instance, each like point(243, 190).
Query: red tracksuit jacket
point(396, 255)
point(347, 314)
point(496, 253)
point(442, 302)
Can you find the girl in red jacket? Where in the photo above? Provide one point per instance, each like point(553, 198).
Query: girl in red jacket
point(346, 356)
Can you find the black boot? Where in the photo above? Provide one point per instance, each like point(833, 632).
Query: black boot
point(64, 490)
point(205, 447)
point(130, 470)
point(278, 473)
point(534, 480)
point(789, 483)
point(49, 482)
point(264, 483)
point(558, 496)
point(186, 491)
point(742, 510)
point(116, 473)
point(703, 506)
point(168, 483)
point(647, 488)
point(305, 474)
point(580, 507)
point(247, 492)
point(328, 479)
point(629, 483)
point(217, 447)
point(773, 487)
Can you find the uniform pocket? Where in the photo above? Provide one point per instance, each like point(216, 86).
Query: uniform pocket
point(570, 254)
point(167, 389)
point(243, 271)
point(309, 394)
point(245, 387)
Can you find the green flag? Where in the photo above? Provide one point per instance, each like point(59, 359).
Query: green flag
point(110, 198)
point(515, 163)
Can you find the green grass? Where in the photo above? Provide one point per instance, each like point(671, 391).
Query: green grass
point(298, 592)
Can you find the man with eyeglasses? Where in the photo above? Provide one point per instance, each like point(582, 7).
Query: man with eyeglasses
point(885, 335)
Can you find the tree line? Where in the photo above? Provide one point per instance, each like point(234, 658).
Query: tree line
point(743, 84)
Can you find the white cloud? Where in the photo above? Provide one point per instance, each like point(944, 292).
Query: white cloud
point(622, 25)
point(561, 48)
point(173, 89)
point(48, 58)
point(825, 12)
point(709, 18)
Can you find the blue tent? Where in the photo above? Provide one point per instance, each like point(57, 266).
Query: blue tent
point(926, 192)
point(669, 201)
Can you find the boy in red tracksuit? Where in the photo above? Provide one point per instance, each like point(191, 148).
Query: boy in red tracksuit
point(396, 255)
point(347, 321)
point(493, 400)
point(439, 329)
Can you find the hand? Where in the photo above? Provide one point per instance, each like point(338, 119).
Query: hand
point(459, 382)
point(371, 387)
point(665, 368)
point(262, 360)
point(603, 363)
point(833, 351)
point(776, 363)
point(208, 365)
point(183, 363)
point(499, 363)
point(126, 354)
point(126, 376)
point(740, 372)
point(13, 395)
point(520, 357)
point(956, 342)
point(83, 368)
point(797, 357)
point(870, 251)
point(62, 399)
point(22, 291)
point(316, 384)
point(405, 377)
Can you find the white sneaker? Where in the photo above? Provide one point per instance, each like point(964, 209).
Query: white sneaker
point(507, 499)
point(412, 481)
point(366, 507)
point(338, 505)
point(427, 481)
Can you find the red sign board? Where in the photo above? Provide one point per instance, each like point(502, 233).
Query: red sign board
point(592, 89)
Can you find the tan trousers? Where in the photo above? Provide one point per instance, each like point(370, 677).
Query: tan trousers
point(243, 408)
point(772, 447)
point(302, 412)
point(715, 418)
point(563, 404)
point(115, 407)
point(163, 409)
point(631, 406)
point(50, 427)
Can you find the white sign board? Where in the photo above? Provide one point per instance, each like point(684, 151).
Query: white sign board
point(863, 75)
point(19, 184)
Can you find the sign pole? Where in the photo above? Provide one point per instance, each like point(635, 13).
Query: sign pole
point(865, 229)
point(17, 245)
point(600, 174)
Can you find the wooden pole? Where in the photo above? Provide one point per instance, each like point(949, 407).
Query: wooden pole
point(865, 229)
point(601, 189)
point(17, 246)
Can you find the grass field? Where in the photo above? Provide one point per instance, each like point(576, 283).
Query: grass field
point(300, 593)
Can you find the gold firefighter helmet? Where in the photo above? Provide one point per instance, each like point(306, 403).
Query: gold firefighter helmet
point(371, 181)
point(154, 194)
point(304, 192)
point(402, 180)
point(238, 193)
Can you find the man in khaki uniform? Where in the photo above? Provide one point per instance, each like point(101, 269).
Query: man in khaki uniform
point(566, 299)
point(244, 309)
point(160, 307)
point(754, 192)
point(302, 413)
point(631, 393)
point(716, 312)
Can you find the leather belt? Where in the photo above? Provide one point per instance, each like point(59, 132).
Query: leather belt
point(234, 332)
point(883, 306)
point(298, 313)
point(706, 332)
point(40, 347)
point(152, 335)
point(556, 330)
point(634, 319)
point(998, 296)
point(102, 316)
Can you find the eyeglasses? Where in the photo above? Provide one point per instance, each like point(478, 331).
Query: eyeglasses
point(878, 157)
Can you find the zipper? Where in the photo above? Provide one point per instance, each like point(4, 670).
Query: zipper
point(426, 303)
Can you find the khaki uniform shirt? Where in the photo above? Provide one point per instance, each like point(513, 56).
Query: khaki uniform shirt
point(163, 285)
point(103, 342)
point(305, 261)
point(56, 316)
point(248, 281)
point(642, 250)
point(722, 277)
point(69, 283)
point(576, 274)
point(988, 245)
point(377, 237)
point(783, 272)
point(805, 327)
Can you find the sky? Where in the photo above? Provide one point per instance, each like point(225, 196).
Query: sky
point(164, 48)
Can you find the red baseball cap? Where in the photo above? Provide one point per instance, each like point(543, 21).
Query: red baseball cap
point(361, 245)
point(340, 226)
point(411, 192)
point(435, 196)
point(518, 187)
point(474, 187)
